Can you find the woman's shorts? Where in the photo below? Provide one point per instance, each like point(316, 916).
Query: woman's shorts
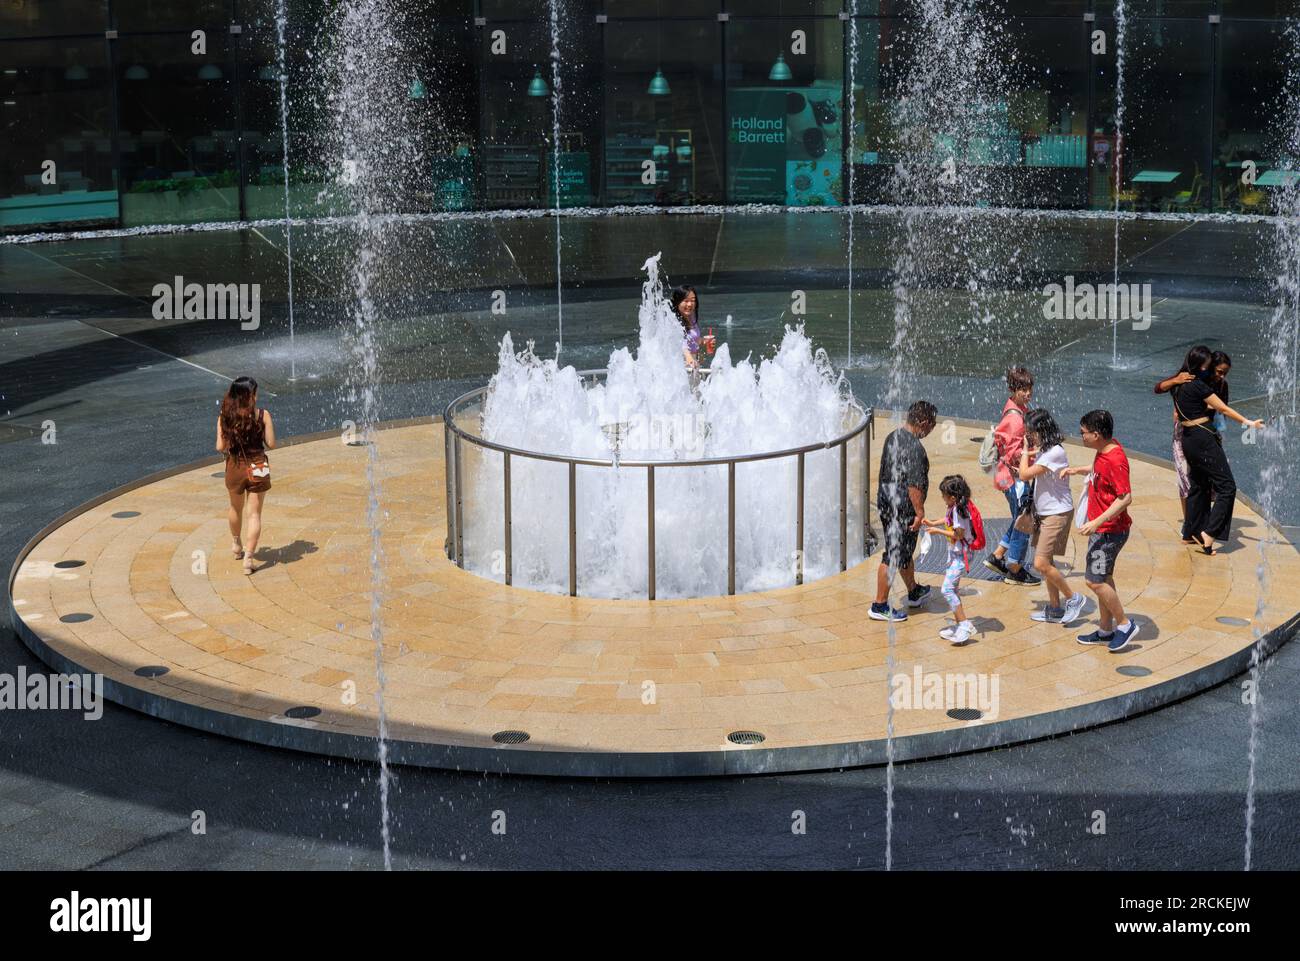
point(237, 481)
point(1053, 535)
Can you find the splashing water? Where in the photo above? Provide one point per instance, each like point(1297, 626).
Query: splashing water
point(651, 409)
point(1280, 374)
point(375, 153)
point(849, 129)
point(952, 144)
point(556, 101)
point(1121, 31)
point(866, 211)
point(281, 18)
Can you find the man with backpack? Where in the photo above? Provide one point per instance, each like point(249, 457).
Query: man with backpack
point(900, 501)
point(1000, 456)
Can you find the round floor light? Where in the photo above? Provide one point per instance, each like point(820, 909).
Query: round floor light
point(1234, 621)
point(1133, 670)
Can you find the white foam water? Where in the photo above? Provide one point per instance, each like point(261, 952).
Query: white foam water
point(650, 408)
point(866, 211)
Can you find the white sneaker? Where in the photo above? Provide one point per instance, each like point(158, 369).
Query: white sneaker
point(1075, 607)
point(959, 634)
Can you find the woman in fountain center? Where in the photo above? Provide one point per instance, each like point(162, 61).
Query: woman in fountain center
point(686, 306)
point(244, 434)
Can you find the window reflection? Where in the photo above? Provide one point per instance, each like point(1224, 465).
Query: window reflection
point(1250, 160)
point(56, 125)
point(784, 111)
point(178, 140)
point(663, 111)
point(663, 104)
point(1164, 149)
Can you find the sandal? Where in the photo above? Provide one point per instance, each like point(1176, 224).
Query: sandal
point(237, 549)
point(249, 567)
point(1207, 545)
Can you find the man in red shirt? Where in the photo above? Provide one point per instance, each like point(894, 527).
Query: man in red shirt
point(1109, 496)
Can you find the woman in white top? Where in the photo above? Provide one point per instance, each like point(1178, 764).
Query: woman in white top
point(1042, 458)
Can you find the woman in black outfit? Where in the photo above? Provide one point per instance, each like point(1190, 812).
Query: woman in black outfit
point(1209, 476)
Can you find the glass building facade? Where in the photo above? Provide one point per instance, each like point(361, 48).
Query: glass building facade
point(134, 112)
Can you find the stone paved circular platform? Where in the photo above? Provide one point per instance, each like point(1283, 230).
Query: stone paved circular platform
point(466, 658)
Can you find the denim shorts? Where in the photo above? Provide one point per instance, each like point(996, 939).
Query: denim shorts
point(1103, 550)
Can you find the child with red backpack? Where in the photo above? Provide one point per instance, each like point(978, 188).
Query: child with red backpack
point(964, 528)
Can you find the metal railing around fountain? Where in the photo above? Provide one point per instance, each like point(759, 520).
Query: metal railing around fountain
point(455, 436)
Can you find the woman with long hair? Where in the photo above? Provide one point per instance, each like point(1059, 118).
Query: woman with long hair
point(686, 305)
point(244, 434)
point(1212, 491)
point(1042, 459)
point(1196, 361)
point(1220, 367)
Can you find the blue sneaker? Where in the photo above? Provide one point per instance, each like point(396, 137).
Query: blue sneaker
point(918, 595)
point(1122, 639)
point(882, 612)
point(1096, 637)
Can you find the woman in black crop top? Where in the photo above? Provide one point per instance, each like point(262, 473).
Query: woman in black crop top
point(1212, 491)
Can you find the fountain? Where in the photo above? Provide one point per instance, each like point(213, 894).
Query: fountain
point(1280, 374)
point(282, 69)
point(758, 469)
point(553, 15)
point(947, 120)
point(1121, 29)
point(375, 153)
point(850, 129)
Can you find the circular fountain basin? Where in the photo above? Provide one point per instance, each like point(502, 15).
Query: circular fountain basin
point(615, 527)
point(484, 677)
